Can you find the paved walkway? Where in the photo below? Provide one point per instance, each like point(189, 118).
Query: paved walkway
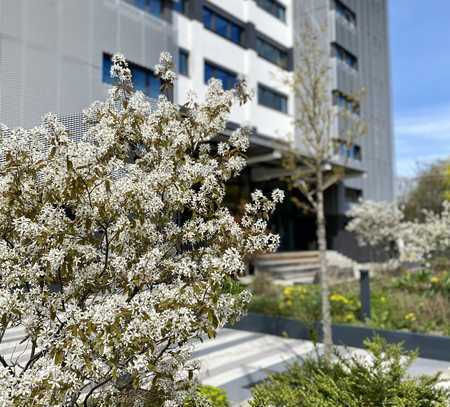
point(237, 360)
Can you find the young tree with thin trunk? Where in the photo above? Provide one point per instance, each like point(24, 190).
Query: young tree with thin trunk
point(314, 164)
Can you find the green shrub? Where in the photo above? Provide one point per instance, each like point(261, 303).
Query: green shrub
point(352, 381)
point(302, 302)
point(265, 305)
point(216, 396)
point(263, 285)
point(233, 287)
point(425, 282)
point(401, 300)
point(208, 396)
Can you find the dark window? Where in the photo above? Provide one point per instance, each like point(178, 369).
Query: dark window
point(352, 151)
point(343, 11)
point(272, 53)
point(356, 152)
point(353, 195)
point(271, 98)
point(222, 26)
point(143, 78)
point(344, 56)
point(183, 62)
point(228, 78)
point(154, 7)
point(181, 6)
point(236, 34)
point(346, 102)
point(274, 8)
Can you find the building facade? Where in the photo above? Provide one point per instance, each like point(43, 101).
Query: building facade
point(55, 56)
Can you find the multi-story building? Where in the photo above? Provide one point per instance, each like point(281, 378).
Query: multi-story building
point(55, 56)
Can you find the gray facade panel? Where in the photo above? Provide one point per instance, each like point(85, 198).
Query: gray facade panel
point(368, 41)
point(376, 107)
point(51, 52)
point(346, 37)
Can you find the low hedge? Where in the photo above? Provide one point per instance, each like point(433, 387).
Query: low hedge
point(209, 396)
point(352, 381)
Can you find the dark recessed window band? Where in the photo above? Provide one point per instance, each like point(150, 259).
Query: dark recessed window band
point(249, 33)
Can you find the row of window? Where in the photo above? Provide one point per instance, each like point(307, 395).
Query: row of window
point(235, 33)
point(346, 102)
point(232, 31)
point(266, 96)
point(145, 80)
point(155, 7)
point(227, 28)
point(344, 12)
point(222, 26)
point(272, 53)
point(344, 56)
point(273, 7)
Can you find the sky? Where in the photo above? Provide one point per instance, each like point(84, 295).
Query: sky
point(420, 71)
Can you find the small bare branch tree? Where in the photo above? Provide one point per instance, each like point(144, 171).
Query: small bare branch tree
point(314, 162)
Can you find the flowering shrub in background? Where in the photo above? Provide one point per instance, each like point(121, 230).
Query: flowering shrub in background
point(420, 240)
point(375, 223)
point(382, 223)
point(114, 249)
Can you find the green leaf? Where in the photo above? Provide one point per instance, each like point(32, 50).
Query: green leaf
point(108, 186)
point(69, 165)
point(59, 357)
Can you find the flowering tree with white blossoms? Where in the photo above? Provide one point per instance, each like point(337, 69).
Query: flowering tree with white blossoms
point(376, 224)
point(383, 224)
point(114, 249)
point(422, 240)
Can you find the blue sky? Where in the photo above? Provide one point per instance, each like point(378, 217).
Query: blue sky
point(420, 58)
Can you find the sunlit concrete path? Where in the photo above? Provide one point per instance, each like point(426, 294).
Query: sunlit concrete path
point(237, 360)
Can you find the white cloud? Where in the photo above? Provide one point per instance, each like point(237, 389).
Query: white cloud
point(421, 138)
point(433, 124)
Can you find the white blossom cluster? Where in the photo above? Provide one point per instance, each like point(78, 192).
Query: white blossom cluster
point(115, 249)
point(375, 223)
point(421, 240)
point(164, 68)
point(381, 223)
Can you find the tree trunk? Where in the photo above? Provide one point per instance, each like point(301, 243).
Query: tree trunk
point(324, 277)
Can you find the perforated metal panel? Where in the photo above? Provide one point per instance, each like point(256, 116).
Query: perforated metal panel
point(51, 53)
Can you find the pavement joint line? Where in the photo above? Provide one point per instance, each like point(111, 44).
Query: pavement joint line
point(254, 366)
point(223, 338)
point(263, 343)
point(224, 345)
